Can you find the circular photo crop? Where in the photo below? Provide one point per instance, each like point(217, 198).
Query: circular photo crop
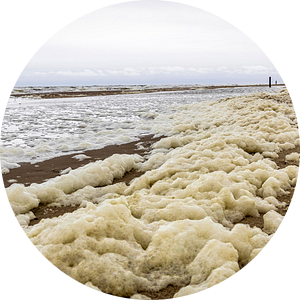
point(149, 150)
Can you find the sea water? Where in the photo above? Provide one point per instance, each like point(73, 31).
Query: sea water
point(36, 129)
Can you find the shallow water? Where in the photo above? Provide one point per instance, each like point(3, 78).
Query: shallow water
point(38, 129)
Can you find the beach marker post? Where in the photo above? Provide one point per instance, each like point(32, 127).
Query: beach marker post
point(270, 82)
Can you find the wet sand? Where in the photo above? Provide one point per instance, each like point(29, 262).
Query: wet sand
point(37, 173)
point(71, 94)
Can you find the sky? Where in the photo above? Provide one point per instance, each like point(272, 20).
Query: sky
point(148, 42)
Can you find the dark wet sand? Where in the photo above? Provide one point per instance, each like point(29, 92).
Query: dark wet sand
point(29, 173)
point(71, 94)
point(37, 173)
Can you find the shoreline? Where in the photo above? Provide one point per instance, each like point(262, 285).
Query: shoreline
point(72, 94)
point(44, 211)
point(28, 173)
point(39, 172)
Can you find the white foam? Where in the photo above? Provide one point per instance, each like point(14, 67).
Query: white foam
point(5, 170)
point(272, 220)
point(214, 263)
point(177, 224)
point(8, 165)
point(98, 173)
point(81, 157)
point(66, 171)
point(292, 157)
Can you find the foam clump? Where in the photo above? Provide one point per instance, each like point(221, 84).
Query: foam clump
point(6, 165)
point(292, 157)
point(65, 171)
point(99, 173)
point(212, 256)
point(24, 219)
point(178, 223)
point(140, 297)
point(5, 171)
point(90, 285)
point(272, 221)
point(154, 162)
point(21, 200)
point(96, 242)
point(80, 157)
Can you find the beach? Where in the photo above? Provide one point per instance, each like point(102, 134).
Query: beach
point(122, 91)
point(171, 213)
point(28, 174)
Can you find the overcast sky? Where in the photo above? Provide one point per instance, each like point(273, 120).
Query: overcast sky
point(148, 42)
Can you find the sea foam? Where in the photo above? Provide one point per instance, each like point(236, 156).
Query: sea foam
point(178, 223)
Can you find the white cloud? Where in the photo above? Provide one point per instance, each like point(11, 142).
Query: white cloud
point(147, 41)
point(123, 72)
point(85, 73)
point(131, 72)
point(246, 70)
point(113, 72)
point(101, 73)
point(166, 70)
point(201, 70)
point(254, 69)
point(76, 73)
point(223, 69)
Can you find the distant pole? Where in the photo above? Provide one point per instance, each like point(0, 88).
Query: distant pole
point(270, 84)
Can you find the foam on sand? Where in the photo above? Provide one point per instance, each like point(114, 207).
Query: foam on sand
point(293, 157)
point(177, 223)
point(100, 173)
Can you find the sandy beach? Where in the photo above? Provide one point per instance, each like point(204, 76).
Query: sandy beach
point(29, 173)
point(71, 94)
point(40, 172)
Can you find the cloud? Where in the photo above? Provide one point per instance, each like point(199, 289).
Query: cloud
point(131, 72)
point(85, 73)
point(151, 73)
point(101, 73)
point(200, 70)
point(92, 73)
point(255, 69)
point(123, 72)
point(246, 70)
point(165, 70)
